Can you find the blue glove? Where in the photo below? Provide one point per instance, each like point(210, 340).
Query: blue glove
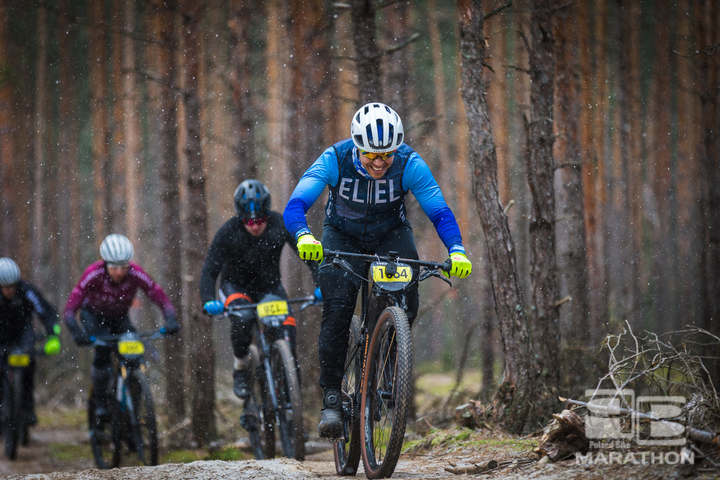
point(214, 307)
point(318, 295)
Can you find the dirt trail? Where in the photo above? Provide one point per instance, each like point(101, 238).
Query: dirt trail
point(64, 454)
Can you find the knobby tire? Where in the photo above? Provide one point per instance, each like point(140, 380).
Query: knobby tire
point(105, 439)
point(258, 413)
point(386, 390)
point(12, 413)
point(347, 449)
point(287, 389)
point(143, 425)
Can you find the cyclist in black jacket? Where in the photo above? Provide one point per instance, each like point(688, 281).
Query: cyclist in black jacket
point(18, 302)
point(245, 253)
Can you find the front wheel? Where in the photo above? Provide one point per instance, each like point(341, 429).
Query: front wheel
point(387, 386)
point(347, 449)
point(105, 434)
point(289, 408)
point(257, 415)
point(142, 419)
point(12, 417)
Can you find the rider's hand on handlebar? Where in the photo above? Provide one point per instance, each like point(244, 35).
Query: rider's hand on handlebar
point(214, 307)
point(318, 295)
point(461, 266)
point(82, 340)
point(309, 248)
point(52, 345)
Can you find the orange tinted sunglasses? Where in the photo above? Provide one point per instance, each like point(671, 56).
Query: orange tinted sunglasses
point(373, 156)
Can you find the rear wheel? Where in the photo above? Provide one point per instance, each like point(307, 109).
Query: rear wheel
point(143, 422)
point(287, 389)
point(105, 435)
point(386, 393)
point(347, 449)
point(257, 418)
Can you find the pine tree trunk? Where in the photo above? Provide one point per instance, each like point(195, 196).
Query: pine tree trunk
point(38, 214)
point(241, 17)
point(366, 52)
point(516, 393)
point(540, 171)
point(164, 148)
point(575, 314)
point(202, 350)
point(131, 124)
point(97, 53)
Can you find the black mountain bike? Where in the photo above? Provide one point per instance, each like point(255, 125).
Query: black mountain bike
point(15, 364)
point(131, 422)
point(377, 379)
point(275, 398)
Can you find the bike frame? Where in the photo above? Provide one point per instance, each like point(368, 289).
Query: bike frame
point(264, 336)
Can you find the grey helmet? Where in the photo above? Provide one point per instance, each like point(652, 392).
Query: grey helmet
point(377, 128)
point(252, 199)
point(116, 249)
point(9, 272)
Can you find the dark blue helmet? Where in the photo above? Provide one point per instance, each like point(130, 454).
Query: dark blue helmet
point(252, 199)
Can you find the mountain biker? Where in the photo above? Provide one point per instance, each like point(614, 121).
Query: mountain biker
point(368, 176)
point(18, 302)
point(103, 295)
point(245, 253)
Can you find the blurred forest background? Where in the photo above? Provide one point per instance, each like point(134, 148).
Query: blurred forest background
point(142, 116)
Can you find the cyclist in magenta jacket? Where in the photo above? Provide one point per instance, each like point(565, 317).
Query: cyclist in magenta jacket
point(103, 296)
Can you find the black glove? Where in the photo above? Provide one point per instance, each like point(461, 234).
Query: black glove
point(82, 340)
point(171, 325)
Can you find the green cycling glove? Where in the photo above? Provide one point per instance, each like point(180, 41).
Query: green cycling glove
point(461, 266)
point(309, 248)
point(52, 345)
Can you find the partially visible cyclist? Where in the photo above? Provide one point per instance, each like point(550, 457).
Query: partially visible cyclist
point(368, 176)
point(18, 302)
point(245, 253)
point(103, 297)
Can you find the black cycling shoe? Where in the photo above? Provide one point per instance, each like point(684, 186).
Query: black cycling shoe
point(242, 383)
point(331, 417)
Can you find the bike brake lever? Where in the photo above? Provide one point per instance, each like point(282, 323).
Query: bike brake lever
point(442, 277)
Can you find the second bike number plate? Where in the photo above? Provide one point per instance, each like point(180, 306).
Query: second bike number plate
point(271, 309)
point(19, 360)
point(383, 274)
point(131, 347)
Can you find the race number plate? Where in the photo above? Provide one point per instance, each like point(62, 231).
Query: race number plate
point(403, 273)
point(271, 309)
point(131, 347)
point(18, 360)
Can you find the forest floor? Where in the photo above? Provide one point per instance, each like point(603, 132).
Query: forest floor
point(59, 450)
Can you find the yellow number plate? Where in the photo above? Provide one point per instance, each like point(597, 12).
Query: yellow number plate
point(269, 309)
point(18, 360)
point(403, 274)
point(131, 347)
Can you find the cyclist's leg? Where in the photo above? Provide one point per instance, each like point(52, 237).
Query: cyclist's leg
point(401, 240)
point(241, 336)
point(339, 292)
point(101, 370)
point(27, 343)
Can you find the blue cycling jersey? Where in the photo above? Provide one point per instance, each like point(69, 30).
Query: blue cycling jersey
point(367, 209)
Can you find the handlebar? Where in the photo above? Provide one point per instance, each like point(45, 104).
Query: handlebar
point(107, 340)
point(432, 269)
point(306, 301)
point(392, 257)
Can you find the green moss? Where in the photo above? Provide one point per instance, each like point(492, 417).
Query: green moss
point(228, 453)
point(183, 456)
point(63, 418)
point(66, 453)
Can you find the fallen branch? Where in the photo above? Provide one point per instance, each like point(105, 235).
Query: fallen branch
point(695, 434)
point(471, 469)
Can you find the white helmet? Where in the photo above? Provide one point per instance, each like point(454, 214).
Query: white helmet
point(116, 249)
point(9, 272)
point(377, 128)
